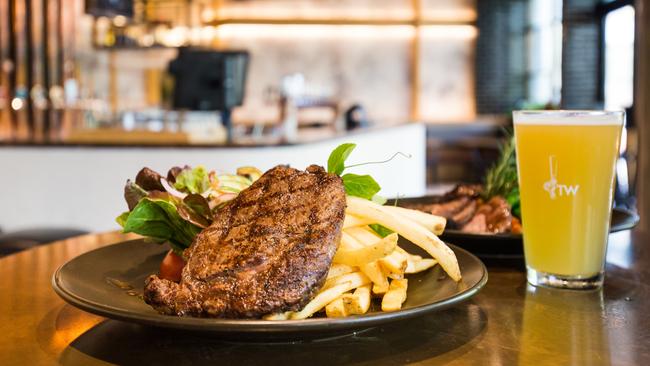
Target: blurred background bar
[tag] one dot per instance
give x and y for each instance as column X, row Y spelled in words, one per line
column 259, row 73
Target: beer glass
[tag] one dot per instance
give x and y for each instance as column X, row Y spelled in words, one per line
column 566, row 163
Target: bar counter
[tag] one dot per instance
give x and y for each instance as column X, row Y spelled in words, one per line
column 508, row 322
column 85, row 182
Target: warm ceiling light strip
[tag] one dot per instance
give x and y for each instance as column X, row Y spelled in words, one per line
column 272, row 11
column 448, row 31
column 310, row 31
column 467, row 15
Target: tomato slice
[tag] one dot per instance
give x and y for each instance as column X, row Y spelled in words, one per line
column 171, row 267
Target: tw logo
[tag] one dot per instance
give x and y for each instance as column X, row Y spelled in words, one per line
column 553, row 188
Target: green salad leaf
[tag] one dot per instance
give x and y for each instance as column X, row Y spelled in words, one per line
column 382, row 231
column 194, row 180
column 336, row 161
column 156, row 216
column 363, row 186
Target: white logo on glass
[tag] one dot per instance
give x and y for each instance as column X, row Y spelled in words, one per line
column 552, row 187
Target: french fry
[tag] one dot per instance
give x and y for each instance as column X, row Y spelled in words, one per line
column 357, row 302
column 380, row 289
column 410, row 265
column 363, row 235
column 367, row 254
column 356, row 277
column 413, row 264
column 327, row 296
column 396, row 295
column 410, row 230
column 395, row 263
column 420, row 265
column 336, row 309
column 338, row 269
column 374, row 272
column 348, row 242
column 433, row 223
column 352, row 221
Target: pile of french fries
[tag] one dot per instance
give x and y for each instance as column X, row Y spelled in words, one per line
column 367, row 266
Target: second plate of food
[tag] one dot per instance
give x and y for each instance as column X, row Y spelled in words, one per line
column 506, row 245
column 109, row 282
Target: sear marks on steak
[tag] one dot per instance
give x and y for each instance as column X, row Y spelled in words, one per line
column 450, row 208
column 465, row 214
column 491, row 217
column 267, row 251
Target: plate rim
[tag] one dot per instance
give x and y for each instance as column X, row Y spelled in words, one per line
column 220, row 325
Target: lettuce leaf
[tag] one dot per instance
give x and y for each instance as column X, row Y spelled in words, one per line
column 156, row 216
column 133, row 193
column 193, row 180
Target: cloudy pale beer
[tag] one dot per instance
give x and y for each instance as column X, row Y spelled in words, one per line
column 566, row 163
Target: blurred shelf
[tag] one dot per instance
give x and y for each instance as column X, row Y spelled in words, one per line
column 107, row 136
column 132, row 48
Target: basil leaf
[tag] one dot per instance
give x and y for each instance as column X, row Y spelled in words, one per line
column 363, row 186
column 336, row 161
column 382, row 231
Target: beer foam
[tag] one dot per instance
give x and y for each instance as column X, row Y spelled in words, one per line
column 569, row 118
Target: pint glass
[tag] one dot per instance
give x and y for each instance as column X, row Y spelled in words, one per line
column 566, row 163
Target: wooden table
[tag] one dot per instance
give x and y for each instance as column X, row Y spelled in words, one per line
column 507, row 323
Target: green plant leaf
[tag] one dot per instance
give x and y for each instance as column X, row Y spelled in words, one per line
column 336, row 160
column 363, row 186
column 121, row 220
column 382, row 231
column 193, row 180
column 501, row 178
column 199, row 204
column 157, row 217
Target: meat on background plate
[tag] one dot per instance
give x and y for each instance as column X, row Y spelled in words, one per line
column 466, row 211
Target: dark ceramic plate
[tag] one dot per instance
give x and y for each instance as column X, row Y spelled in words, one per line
column 108, row 281
column 508, row 245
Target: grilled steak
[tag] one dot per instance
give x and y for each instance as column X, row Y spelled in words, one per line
column 268, row 250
